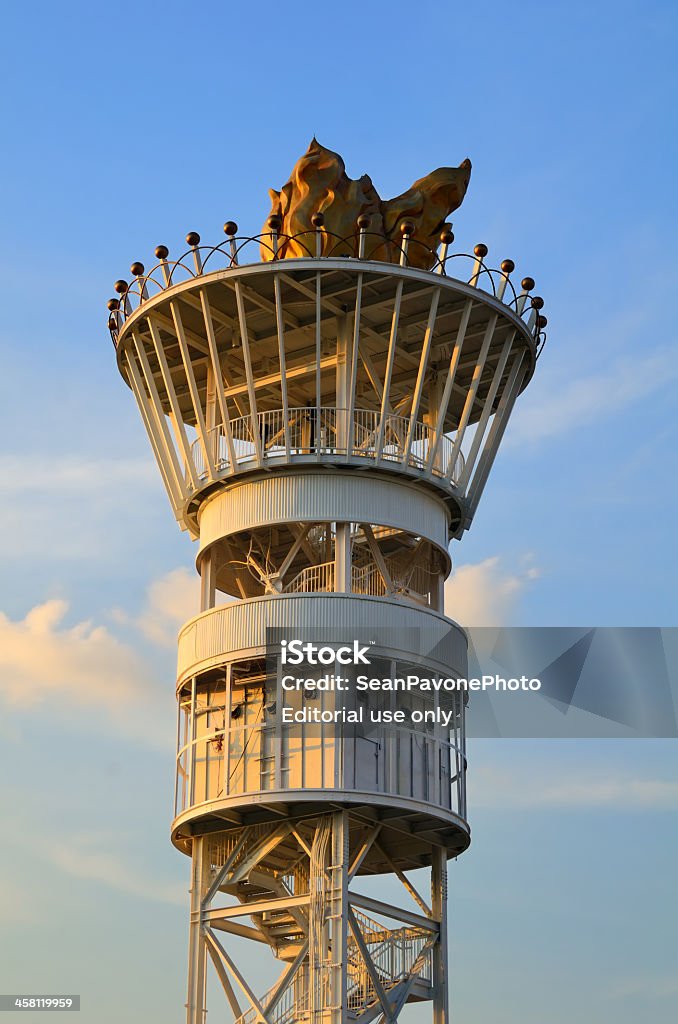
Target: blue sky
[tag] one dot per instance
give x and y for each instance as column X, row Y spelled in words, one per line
column 127, row 127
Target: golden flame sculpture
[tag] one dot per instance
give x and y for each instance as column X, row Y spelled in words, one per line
column 319, row 185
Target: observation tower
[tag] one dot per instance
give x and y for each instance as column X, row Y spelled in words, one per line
column 325, row 401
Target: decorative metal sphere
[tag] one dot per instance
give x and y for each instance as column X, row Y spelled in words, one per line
column 193, row 238
column 481, row 250
column 537, row 302
column 274, row 222
column 527, row 284
column 508, row 266
column 318, row 219
column 542, row 321
column 121, row 287
column 113, row 304
column 112, row 326
column 137, row 269
column 364, row 221
column 447, row 235
column 230, row 228
column 407, row 227
column 162, row 252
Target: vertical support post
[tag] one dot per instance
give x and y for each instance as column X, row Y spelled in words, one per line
column 342, row 381
column 160, row 420
column 439, row 908
column 342, row 559
column 152, row 431
column 355, row 346
column 249, row 375
column 211, row 416
column 339, row 868
column 280, row 325
column 421, row 375
column 318, row 357
column 191, row 747
column 501, row 418
column 388, row 374
column 195, row 1006
column 218, row 384
column 208, row 583
column 449, row 384
column 471, row 394
column 200, row 425
column 176, row 418
column 486, row 413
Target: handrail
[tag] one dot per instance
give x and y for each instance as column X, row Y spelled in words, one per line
column 199, row 260
column 397, row 954
column 322, row 432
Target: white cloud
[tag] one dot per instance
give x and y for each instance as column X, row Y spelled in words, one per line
column 555, row 408
column 499, row 788
column 18, row 907
column 485, row 593
column 94, row 858
column 77, row 668
column 170, row 601
column 76, row 509
column 646, row 986
column 32, row 472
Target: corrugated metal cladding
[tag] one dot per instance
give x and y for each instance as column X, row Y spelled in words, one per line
column 226, row 632
column 358, row 497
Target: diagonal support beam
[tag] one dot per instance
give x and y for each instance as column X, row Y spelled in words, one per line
column 421, row 375
column 259, row 852
column 378, row 557
column 286, row 978
column 222, row 974
column 213, row 941
column 373, row 906
column 368, row 842
column 449, row 382
column 258, row 907
column 404, row 880
column 369, row 964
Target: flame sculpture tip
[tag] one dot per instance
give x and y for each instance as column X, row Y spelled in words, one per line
column 319, row 183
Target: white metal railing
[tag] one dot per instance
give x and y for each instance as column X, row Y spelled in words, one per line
column 241, row 251
column 396, row 955
column 314, row 579
column 325, row 431
column 413, row 581
column 367, row 580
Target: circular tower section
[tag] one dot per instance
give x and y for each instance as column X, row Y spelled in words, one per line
column 324, row 406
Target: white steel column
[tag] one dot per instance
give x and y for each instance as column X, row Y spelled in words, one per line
column 439, row 908
column 343, row 380
column 338, row 910
column 342, row 559
column 195, row 1006
column 208, row 585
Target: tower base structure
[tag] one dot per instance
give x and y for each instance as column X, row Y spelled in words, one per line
column 346, row 956
column 325, row 410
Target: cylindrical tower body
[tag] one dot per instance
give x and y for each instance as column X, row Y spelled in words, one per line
column 324, row 426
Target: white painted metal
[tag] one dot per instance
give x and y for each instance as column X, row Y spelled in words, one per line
column 341, row 429
column 310, row 420
column 239, row 627
column 312, row 497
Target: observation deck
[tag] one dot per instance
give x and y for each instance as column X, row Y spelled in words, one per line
column 325, row 401
column 432, row 356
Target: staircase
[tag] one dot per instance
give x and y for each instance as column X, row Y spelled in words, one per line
column 401, row 957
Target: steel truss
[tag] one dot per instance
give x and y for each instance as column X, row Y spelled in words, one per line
column 295, row 882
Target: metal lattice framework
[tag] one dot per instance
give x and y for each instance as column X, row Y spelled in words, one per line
column 436, row 364
column 343, row 951
column 324, row 425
